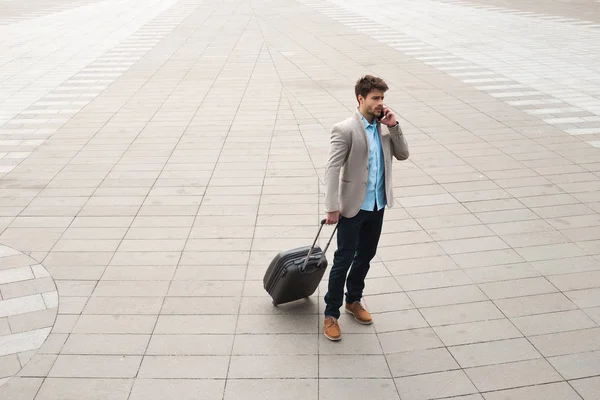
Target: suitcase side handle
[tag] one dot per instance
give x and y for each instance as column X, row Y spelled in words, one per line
column 315, row 242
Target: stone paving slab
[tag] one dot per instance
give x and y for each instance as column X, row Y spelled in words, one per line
column 155, row 156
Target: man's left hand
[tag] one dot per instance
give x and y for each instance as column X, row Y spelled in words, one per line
column 389, row 118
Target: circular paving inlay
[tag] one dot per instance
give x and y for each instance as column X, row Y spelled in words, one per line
column 28, row 308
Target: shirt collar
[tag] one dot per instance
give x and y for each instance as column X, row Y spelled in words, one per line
column 366, row 123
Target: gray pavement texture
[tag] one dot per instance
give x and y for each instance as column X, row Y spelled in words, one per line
column 156, row 155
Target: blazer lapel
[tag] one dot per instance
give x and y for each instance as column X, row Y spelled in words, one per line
column 361, row 128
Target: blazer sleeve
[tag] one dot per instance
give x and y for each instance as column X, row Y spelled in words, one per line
column 399, row 143
column 339, row 148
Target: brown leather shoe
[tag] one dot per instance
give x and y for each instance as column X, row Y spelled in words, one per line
column 332, row 329
column 359, row 312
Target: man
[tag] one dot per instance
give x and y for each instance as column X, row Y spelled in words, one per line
column 361, row 149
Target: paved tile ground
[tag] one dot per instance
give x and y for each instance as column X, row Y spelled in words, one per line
column 28, row 308
column 578, row 11
column 155, row 156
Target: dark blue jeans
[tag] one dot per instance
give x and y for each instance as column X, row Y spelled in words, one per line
column 357, row 240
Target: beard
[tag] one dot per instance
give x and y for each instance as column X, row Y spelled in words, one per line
column 375, row 111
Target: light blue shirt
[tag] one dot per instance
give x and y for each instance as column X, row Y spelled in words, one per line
column 376, row 182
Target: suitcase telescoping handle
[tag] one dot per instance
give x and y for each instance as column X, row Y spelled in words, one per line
column 315, row 242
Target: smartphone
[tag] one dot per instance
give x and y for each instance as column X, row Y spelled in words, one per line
column 380, row 117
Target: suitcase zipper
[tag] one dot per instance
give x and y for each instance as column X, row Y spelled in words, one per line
column 282, row 267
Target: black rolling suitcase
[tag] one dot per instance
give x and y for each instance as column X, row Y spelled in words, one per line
column 296, row 274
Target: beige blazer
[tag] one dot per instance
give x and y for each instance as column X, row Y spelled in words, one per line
column 347, row 170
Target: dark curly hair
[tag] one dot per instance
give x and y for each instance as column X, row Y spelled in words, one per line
column 367, row 83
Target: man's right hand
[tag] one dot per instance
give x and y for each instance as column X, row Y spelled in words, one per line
column 332, row 217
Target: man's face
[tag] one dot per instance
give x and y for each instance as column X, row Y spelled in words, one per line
column 373, row 103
